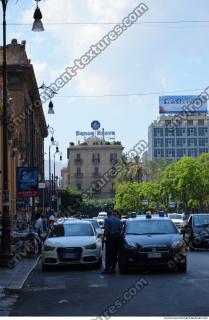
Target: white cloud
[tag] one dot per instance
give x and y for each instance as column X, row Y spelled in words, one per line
column 92, row 83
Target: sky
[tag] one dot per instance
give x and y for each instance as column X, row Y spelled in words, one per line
column 147, row 58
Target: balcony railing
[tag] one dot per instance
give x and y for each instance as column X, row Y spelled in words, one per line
column 95, row 161
column 78, row 160
column 113, row 161
column 96, row 174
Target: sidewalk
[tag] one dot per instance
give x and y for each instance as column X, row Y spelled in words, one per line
column 12, row 281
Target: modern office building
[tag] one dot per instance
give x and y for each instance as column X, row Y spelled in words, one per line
column 189, row 138
column 89, row 163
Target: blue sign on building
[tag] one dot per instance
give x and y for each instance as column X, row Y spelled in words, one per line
column 181, row 104
column 27, row 181
column 95, row 125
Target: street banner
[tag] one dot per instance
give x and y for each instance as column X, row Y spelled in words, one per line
column 27, row 182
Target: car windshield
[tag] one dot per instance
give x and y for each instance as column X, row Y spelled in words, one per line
column 201, row 220
column 151, row 227
column 94, row 223
column 175, row 216
column 74, row 229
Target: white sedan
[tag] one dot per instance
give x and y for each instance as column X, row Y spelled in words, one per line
column 72, row 242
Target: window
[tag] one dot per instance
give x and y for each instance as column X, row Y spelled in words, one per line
column 200, row 122
column 169, row 142
column 79, row 186
column 190, row 122
column 180, row 132
column 113, row 156
column 192, row 142
column 170, row 153
column 180, row 142
column 180, row 153
column 203, row 150
column 203, row 142
column 158, row 153
column 203, row 131
column 158, row 132
column 169, row 132
column 191, row 131
column 192, row 152
column 158, row 142
column 96, row 156
column 78, row 156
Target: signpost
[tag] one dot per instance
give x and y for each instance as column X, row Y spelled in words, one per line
column 27, row 182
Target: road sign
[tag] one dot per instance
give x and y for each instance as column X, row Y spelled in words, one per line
column 42, row 185
column 145, row 202
column 172, row 204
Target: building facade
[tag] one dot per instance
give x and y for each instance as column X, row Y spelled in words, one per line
column 88, row 163
column 27, row 126
column 189, row 138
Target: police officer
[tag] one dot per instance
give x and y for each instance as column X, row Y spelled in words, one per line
column 112, row 234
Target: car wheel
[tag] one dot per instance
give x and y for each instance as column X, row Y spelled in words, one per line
column 44, row 267
column 123, row 268
column 191, row 247
column 98, row 264
column 182, row 267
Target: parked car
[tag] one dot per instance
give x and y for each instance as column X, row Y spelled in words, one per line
column 72, row 242
column 152, row 241
column 178, row 219
column 101, row 217
column 197, row 228
column 96, row 226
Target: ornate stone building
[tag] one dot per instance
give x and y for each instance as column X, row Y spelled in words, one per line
column 27, row 125
column 89, row 164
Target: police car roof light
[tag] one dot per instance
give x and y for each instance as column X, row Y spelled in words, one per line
column 148, row 215
column 161, row 214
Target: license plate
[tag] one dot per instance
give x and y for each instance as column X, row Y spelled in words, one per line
column 154, row 255
column 69, row 255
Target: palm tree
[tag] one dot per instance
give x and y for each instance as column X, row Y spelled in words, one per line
column 122, row 175
column 136, row 170
column 132, row 170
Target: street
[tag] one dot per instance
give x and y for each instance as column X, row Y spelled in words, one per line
column 84, row 292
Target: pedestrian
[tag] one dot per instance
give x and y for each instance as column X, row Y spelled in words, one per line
column 39, row 224
column 52, row 220
column 112, row 235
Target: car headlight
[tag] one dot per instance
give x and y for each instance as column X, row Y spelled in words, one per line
column 178, row 245
column 92, row 246
column 130, row 246
column 48, row 248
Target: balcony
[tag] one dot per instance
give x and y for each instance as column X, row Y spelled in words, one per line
column 95, row 161
column 96, row 174
column 113, row 161
column 78, row 175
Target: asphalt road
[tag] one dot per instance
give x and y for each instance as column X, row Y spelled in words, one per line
column 85, row 292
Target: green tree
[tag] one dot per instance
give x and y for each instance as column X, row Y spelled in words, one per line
column 182, row 181
column 154, row 169
column 129, row 196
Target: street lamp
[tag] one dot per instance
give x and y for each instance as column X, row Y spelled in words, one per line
column 37, row 25
column 55, row 178
column 50, row 93
column 5, row 239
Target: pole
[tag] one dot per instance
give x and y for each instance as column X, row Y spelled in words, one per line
column 50, row 186
column 5, row 242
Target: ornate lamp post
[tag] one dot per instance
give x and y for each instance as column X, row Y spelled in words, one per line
column 5, row 239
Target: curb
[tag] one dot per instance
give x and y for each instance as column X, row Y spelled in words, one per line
column 16, row 290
